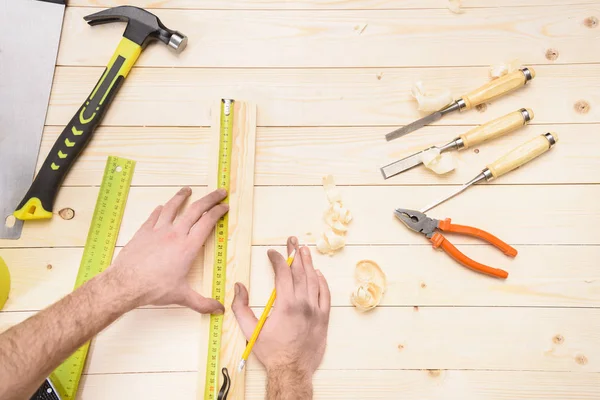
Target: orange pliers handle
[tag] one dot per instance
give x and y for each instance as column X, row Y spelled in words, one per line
column 439, row 241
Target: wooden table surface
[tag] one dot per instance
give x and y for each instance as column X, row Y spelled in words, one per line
column 330, row 78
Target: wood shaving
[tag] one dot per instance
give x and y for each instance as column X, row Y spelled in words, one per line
column 366, row 296
column 455, row 6
column 430, row 100
column 371, row 285
column 337, row 217
column 438, row 163
column 498, row 70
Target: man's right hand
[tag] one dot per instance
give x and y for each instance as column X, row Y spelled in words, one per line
column 292, row 342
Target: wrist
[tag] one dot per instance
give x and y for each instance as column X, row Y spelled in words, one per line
column 115, row 283
column 289, row 382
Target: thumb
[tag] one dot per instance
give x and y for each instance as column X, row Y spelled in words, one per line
column 244, row 315
column 201, row 304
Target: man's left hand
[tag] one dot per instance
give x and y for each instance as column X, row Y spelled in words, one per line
column 155, row 263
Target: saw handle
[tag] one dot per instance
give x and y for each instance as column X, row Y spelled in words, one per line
column 523, row 154
column 496, row 88
column 496, row 128
column 39, row 200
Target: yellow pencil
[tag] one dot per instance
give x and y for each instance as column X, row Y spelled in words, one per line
column 262, row 320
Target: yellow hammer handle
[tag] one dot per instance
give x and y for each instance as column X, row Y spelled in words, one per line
column 496, row 128
column 496, row 88
column 522, row 154
column 264, row 316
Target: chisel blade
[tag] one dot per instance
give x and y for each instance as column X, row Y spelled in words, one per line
column 413, row 126
column 403, row 165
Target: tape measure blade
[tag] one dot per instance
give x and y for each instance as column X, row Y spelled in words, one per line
column 211, row 385
column 97, row 255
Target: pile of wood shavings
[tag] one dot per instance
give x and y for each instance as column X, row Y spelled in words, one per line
column 337, row 218
column 371, row 285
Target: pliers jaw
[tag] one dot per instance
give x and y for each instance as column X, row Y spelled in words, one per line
column 417, row 221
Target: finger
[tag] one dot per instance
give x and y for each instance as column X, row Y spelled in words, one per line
column 151, row 221
column 298, row 273
column 292, row 244
column 283, row 277
column 244, row 315
column 324, row 294
column 312, row 280
column 201, row 229
column 169, row 211
column 195, row 211
column 201, row 304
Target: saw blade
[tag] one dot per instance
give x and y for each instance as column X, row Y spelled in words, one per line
column 26, row 72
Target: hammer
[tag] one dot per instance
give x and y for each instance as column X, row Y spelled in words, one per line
column 142, row 28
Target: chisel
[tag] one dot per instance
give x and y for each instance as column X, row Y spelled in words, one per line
column 487, row 92
column 483, row 133
column 516, row 158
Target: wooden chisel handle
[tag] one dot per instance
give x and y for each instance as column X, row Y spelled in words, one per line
column 523, row 154
column 496, row 128
column 498, row 87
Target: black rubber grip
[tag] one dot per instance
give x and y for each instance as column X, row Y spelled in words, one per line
column 74, row 138
column 46, row 392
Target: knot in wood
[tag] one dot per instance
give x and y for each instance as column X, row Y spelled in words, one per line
column 558, row 339
column 552, row 54
column 582, row 107
column 581, row 359
column 591, row 22
column 67, row 213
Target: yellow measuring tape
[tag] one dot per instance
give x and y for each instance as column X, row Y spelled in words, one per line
column 211, row 387
column 97, row 255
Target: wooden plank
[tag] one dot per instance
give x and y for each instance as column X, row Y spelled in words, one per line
column 516, row 214
column 420, row 276
column 301, row 156
column 496, row 338
column 239, row 244
column 164, row 156
column 520, row 214
column 444, row 385
column 40, row 277
column 423, row 37
column 555, row 276
column 366, row 384
column 154, row 386
column 319, row 5
column 297, row 156
column 320, row 97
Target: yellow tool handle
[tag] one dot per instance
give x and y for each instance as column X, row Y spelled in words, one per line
column 496, row 128
column 4, row 283
column 523, row 154
column 496, row 88
column 39, row 199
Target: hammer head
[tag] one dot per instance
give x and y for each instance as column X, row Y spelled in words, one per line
column 142, row 26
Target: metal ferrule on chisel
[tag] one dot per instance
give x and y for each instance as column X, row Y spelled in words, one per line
column 491, row 90
column 475, row 136
column 520, row 156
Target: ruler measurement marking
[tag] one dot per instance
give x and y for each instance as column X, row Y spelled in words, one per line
column 97, row 255
column 211, row 386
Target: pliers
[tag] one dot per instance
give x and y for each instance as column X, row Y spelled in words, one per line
column 421, row 223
